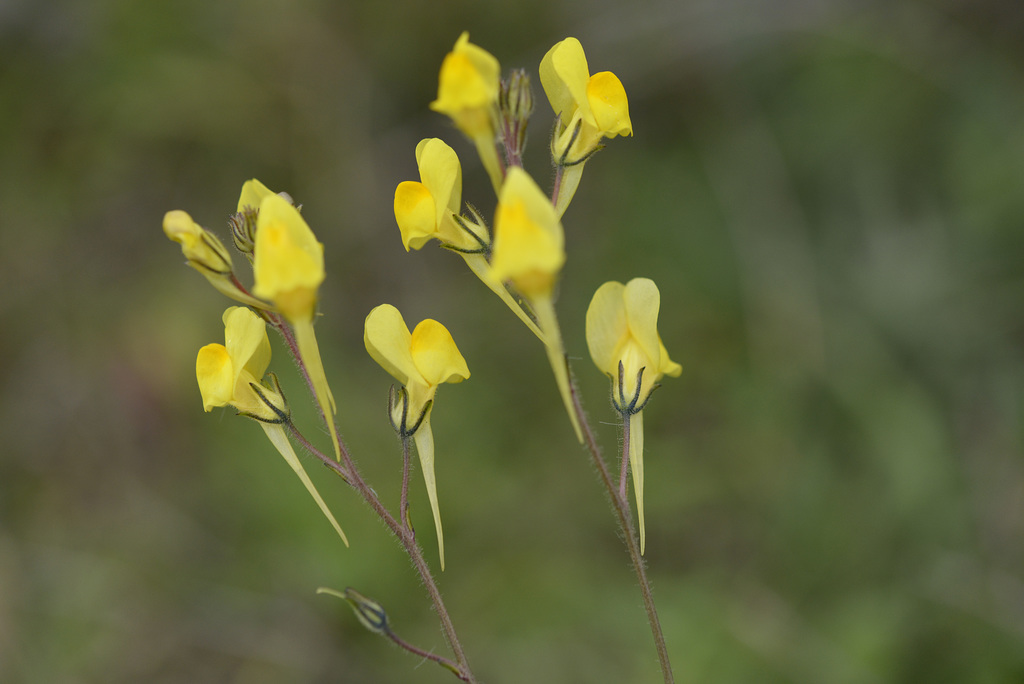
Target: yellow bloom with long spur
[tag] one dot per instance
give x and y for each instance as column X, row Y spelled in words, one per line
column 529, row 251
column 589, row 109
column 429, row 209
column 467, row 92
column 288, row 267
column 622, row 335
column 420, row 360
column 232, row 374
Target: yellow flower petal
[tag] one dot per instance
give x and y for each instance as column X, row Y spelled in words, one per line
column 529, row 243
column 389, row 343
column 245, row 336
column 668, row 366
column 469, row 79
column 564, row 75
column 434, row 352
column 253, row 193
column 216, row 377
column 609, row 105
column 288, row 264
column 607, row 327
column 441, row 173
column 642, row 301
column 415, row 213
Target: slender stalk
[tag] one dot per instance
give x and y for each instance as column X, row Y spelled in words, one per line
column 416, row 650
column 406, row 537
column 624, row 468
column 621, row 505
column 347, row 469
column 403, row 509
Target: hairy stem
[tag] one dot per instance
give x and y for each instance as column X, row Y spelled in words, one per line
column 621, row 505
column 346, row 468
column 403, row 509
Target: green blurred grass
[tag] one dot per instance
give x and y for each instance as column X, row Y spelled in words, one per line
column 827, row 195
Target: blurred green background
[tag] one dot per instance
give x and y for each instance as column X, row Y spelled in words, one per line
column 828, row 194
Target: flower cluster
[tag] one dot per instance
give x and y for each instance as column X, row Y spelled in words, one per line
column 520, row 260
column 527, row 251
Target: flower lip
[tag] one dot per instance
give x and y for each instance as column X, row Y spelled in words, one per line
column 427, row 356
column 429, row 208
column 230, row 374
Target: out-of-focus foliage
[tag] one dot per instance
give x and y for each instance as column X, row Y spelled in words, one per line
column 828, row 195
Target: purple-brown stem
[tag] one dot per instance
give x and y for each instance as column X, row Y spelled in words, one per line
column 621, row 505
column 347, row 469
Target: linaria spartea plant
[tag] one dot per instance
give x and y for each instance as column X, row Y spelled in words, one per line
column 521, row 263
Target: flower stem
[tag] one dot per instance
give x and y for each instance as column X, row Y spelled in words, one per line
column 403, row 509
column 346, row 468
column 621, row 505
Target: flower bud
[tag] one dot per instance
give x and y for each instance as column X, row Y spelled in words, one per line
column 203, row 249
column 370, row 613
column 515, row 105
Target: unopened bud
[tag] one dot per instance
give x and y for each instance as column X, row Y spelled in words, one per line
column 370, row 613
column 203, row 249
column 515, row 105
column 207, row 254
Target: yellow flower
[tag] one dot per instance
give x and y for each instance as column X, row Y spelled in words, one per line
column 529, row 243
column 429, row 208
column 529, row 251
column 622, row 331
column 232, row 373
column 589, row 109
column 597, row 104
column 421, row 361
column 288, row 263
column 206, row 254
column 203, row 249
column 288, row 267
column 467, row 92
column 622, row 325
column 468, row 87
